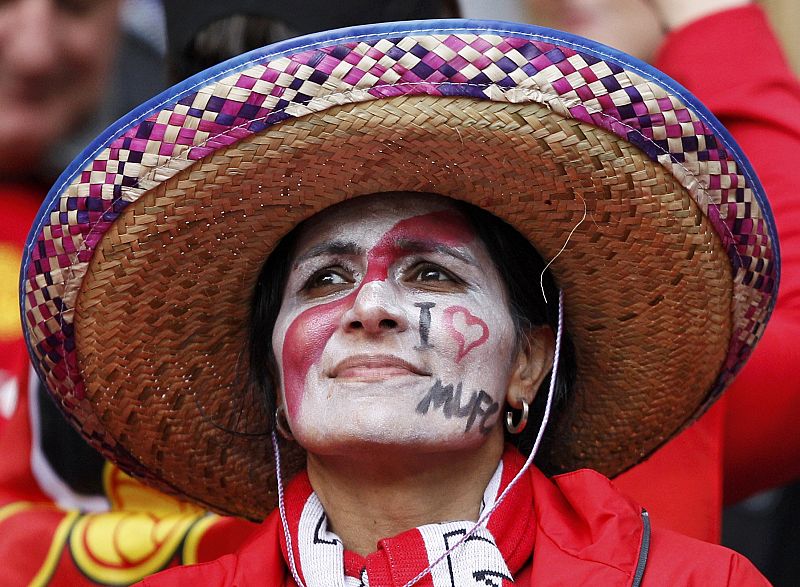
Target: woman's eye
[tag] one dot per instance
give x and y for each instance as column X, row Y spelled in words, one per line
column 327, row 280
column 433, row 275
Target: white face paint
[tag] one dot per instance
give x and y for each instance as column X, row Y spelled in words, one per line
column 394, row 329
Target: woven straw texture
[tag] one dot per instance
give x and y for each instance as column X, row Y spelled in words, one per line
column 137, row 280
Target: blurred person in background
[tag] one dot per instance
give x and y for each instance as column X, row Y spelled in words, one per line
column 61, row 80
column 67, row 68
column 55, row 58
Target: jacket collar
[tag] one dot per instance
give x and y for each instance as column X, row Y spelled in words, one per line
column 586, row 529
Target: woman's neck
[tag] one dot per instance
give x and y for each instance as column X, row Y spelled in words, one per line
column 378, row 494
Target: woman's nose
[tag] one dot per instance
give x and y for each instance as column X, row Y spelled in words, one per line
column 375, row 311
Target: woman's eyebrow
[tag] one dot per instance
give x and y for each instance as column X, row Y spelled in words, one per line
column 331, row 248
column 428, row 246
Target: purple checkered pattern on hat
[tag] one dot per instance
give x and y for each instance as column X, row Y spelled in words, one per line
column 265, row 91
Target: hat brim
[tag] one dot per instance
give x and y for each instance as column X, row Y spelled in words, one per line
column 669, row 274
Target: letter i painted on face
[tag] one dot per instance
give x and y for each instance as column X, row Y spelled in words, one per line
column 424, row 323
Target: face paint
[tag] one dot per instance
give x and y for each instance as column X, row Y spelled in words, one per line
column 310, row 332
column 424, row 323
column 467, row 330
column 480, row 405
column 387, row 295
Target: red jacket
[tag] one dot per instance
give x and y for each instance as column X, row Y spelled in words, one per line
column 583, row 532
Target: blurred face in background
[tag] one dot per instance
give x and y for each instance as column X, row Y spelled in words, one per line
column 54, row 58
column 628, row 25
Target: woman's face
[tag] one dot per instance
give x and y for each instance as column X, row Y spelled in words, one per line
column 394, row 329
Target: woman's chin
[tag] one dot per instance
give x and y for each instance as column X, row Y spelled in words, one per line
column 369, row 442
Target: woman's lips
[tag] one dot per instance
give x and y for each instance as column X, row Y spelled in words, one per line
column 374, row 368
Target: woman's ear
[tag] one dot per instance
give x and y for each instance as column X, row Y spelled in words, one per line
column 532, row 364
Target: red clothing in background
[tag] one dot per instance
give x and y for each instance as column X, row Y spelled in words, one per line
column 749, row 441
column 44, row 538
column 20, row 203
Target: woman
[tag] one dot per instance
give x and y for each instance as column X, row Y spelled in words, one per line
column 398, row 339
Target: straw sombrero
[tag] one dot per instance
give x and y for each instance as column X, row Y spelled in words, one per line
column 140, row 266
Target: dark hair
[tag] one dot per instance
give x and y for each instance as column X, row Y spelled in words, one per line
column 516, row 260
column 262, row 368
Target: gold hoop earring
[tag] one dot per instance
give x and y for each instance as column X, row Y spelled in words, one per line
column 523, row 419
column 282, row 423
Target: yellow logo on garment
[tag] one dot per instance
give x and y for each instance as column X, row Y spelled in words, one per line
column 138, row 537
column 10, row 259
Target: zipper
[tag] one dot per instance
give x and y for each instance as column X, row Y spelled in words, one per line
column 643, row 550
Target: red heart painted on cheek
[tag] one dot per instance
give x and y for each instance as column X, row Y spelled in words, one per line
column 468, row 331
